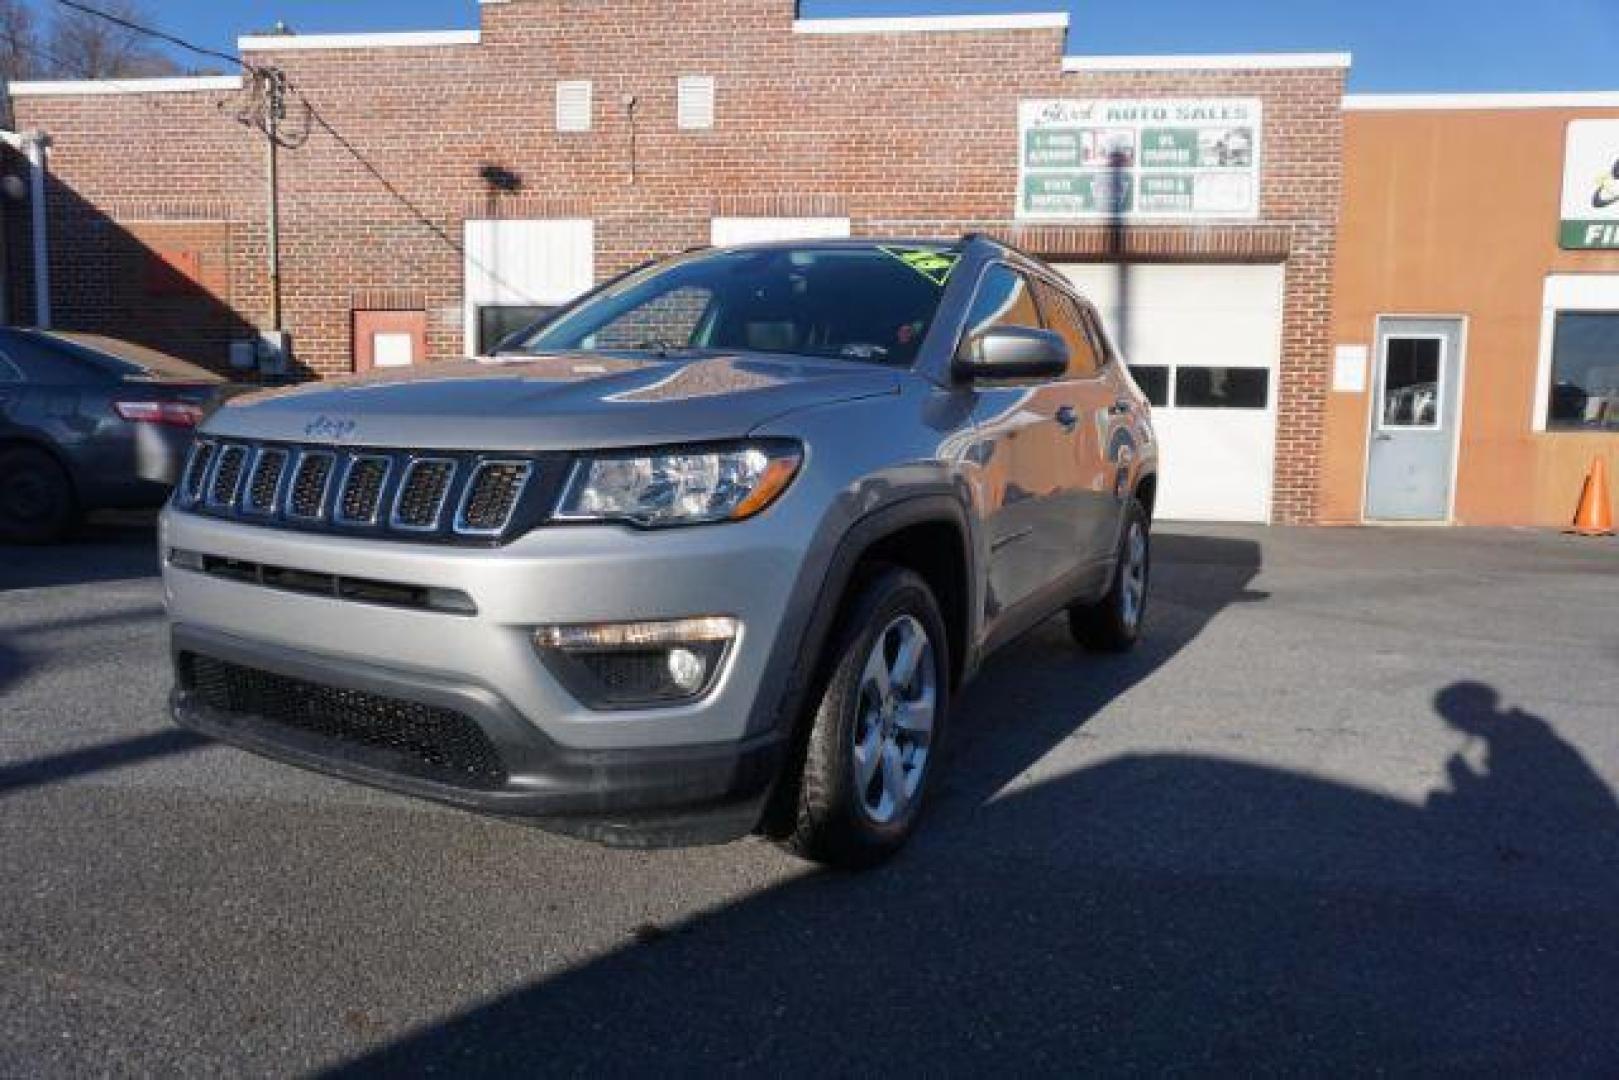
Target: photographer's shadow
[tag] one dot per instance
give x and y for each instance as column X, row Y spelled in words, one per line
column 1151, row 912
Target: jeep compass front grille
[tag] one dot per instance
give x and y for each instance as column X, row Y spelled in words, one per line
column 227, row 476
column 422, row 494
column 369, row 729
column 451, row 497
column 309, row 484
column 361, row 495
column 492, row 496
column 264, row 486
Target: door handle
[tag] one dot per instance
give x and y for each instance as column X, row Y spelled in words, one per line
column 1068, row 418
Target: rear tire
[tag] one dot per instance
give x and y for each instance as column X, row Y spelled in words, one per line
column 1113, row 623
column 36, row 497
column 875, row 740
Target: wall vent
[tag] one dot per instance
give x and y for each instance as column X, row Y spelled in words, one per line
column 695, row 108
column 573, row 105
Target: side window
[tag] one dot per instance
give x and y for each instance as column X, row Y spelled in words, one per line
column 1104, row 344
column 1004, row 299
column 1062, row 316
column 49, row 367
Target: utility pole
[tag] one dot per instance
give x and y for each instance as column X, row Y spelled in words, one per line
column 274, row 87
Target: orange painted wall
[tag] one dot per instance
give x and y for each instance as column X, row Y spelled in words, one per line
column 1456, row 213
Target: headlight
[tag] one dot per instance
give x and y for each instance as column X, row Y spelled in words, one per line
column 680, row 487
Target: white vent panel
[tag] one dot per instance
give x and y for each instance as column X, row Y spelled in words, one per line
column 573, row 105
column 695, row 107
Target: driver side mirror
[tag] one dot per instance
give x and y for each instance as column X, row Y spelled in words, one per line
column 1008, row 353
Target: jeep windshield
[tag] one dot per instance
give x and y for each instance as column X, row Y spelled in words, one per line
column 861, row 303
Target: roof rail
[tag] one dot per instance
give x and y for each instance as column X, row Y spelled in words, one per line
column 969, row 238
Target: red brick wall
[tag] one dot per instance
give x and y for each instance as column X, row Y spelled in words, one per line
column 905, row 134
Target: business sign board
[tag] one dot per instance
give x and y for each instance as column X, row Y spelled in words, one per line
column 1591, row 186
column 1157, row 159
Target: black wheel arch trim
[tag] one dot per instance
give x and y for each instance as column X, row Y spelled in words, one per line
column 798, row 657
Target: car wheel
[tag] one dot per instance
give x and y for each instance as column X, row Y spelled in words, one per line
column 1113, row 623
column 874, row 742
column 36, row 497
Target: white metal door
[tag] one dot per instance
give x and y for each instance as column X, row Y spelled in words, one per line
column 1205, row 342
column 1411, row 455
column 725, row 232
column 526, row 264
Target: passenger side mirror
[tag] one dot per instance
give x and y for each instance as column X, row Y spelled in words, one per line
column 1011, row 353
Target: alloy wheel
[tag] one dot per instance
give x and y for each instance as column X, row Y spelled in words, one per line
column 893, row 729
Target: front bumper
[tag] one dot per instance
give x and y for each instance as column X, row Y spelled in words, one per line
column 628, row 797
column 682, row 774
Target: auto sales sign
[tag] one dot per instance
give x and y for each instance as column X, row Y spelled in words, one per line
column 1149, row 159
column 1591, row 186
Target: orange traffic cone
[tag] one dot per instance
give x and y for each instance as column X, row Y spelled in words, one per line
column 1595, row 515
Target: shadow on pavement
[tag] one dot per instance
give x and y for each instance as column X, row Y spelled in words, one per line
column 114, row 547
column 1150, row 912
column 112, row 755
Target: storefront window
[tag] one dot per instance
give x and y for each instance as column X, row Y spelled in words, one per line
column 1585, row 372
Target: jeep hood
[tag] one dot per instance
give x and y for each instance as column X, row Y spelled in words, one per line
column 552, row 402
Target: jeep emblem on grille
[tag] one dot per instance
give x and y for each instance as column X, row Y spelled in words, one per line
column 325, row 427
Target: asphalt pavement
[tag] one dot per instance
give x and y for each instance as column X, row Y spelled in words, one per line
column 1349, row 809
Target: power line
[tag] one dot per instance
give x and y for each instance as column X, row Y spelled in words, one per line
column 260, row 75
column 160, row 35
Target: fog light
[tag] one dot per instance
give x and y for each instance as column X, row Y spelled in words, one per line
column 687, row 669
column 637, row 665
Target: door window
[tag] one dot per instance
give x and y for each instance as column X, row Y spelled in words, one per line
column 1411, row 382
column 1004, row 299
column 1063, row 317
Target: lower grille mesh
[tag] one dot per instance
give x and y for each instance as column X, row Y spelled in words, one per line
column 384, row 732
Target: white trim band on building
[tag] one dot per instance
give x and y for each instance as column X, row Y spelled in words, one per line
column 1573, row 99
column 1033, row 20
column 1209, row 62
column 404, row 39
column 179, row 85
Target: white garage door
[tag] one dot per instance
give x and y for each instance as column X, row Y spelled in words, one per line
column 725, row 232
column 1205, row 343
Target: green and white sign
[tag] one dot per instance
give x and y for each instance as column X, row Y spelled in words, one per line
column 1141, row 160
column 1591, row 186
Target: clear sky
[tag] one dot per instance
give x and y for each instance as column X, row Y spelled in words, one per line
column 1399, row 45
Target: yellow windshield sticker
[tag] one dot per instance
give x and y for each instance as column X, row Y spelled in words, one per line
column 933, row 265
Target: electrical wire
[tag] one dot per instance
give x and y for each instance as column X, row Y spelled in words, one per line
column 254, row 115
column 152, row 32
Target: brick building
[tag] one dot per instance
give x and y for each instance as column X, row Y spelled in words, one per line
column 441, row 187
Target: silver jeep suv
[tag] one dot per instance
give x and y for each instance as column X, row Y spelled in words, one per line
column 707, row 553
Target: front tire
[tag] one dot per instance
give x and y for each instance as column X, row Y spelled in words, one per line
column 874, row 743
column 1113, row 623
column 36, row 497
